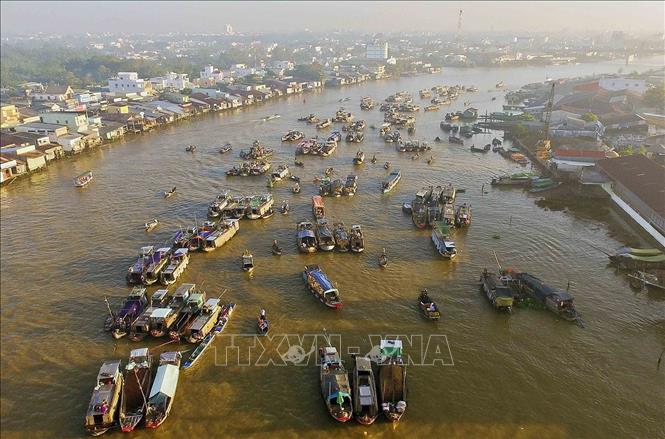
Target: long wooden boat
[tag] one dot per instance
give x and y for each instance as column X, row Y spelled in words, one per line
column 262, row 323
column 558, row 301
column 226, row 230
column 119, row 323
column 204, row 322
column 224, row 317
column 322, row 288
column 187, row 315
column 365, row 398
column 105, row 399
column 177, row 264
column 136, row 272
column 335, row 387
column 341, row 237
column 440, row 237
column 392, row 380
column 83, row 179
column 306, row 238
column 162, row 319
column 137, row 378
column 428, row 307
column 140, row 328
column 391, row 181
column 157, row 262
column 260, row 206
column 499, row 294
column 163, row 389
column 318, row 209
column 463, row 216
column 356, row 239
column 324, row 236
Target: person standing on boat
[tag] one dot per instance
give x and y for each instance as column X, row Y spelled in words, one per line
column 263, row 314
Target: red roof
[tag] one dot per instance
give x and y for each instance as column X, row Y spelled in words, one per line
column 587, row 86
column 579, row 153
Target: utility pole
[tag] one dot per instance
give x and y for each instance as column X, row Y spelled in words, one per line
column 459, row 30
column 548, row 111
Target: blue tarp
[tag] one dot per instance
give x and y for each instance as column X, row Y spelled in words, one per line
column 322, row 280
column 306, row 234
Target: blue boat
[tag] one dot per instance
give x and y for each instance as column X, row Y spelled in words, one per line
column 224, row 317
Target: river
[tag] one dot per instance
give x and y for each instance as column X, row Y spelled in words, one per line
column 528, row 374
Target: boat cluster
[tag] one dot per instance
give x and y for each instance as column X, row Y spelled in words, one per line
column 367, row 103
column 316, row 147
column 337, row 187
column 292, row 136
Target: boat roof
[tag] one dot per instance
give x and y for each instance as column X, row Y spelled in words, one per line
column 317, row 201
column 160, row 313
column 160, row 294
column 184, row 289
column 140, row 352
column 330, row 350
column 166, row 380
column 163, row 249
column 211, row 303
column 391, row 347
column 170, row 357
column 306, row 233
column 180, row 252
column 322, row 280
column 137, row 291
column 196, row 297
column 363, row 363
column 147, row 249
column 109, row 369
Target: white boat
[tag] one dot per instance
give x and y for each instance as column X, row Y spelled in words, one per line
column 226, row 230
column 83, row 179
column 392, row 181
column 260, row 206
column 105, row 399
column 163, row 389
column 247, row 262
column 151, row 224
column 178, row 263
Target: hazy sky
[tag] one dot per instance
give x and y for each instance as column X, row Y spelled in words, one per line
column 211, row 17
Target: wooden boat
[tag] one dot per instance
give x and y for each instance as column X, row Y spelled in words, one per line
column 219, row 327
column 285, row 207
column 180, row 328
column 140, row 328
column 355, row 137
column 558, row 301
column 177, row 265
column 463, row 216
column 392, row 380
column 341, row 237
column 83, row 179
column 444, row 245
column 428, row 307
column 170, row 193
column 553, row 185
column 484, row 149
column 149, row 225
column 247, row 262
column 256, row 152
column 155, row 264
column 432, row 107
column 105, row 399
column 335, row 136
column 280, row 173
column 359, row 158
column 350, row 186
column 136, row 384
column 517, row 179
column 499, row 294
column 386, row 165
column 276, row 249
column 356, row 239
column 204, row 321
column 324, row 236
column 136, row 272
column 454, row 139
column 335, row 387
column 296, row 188
column 226, row 230
column 324, row 124
column 293, row 136
column 260, row 206
column 322, row 288
column 383, row 259
column 365, row 398
column 163, row 389
column 306, row 237
column 636, row 258
column 318, row 209
column 190, row 148
column 270, row 117
column 648, row 279
column 226, row 148
column 419, row 207
column 391, row 181
column 119, row 323
column 218, row 205
column 445, row 126
column 162, row 319
column 262, row 323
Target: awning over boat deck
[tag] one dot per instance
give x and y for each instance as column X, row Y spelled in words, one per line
column 306, row 234
column 322, row 280
column 166, row 381
column 160, row 313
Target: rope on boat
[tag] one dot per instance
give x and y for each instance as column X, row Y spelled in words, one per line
column 145, row 402
column 164, row 344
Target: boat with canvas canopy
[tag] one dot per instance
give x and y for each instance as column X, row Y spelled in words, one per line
column 137, row 378
column 163, row 389
column 335, row 387
column 100, row 416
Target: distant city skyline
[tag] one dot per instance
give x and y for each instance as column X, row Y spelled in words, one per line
column 20, row 17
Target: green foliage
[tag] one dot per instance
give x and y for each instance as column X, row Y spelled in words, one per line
column 251, row 80
column 519, row 130
column 311, row 72
column 186, row 91
column 589, row 117
column 629, row 150
column 527, row 117
column 655, row 97
column 643, row 150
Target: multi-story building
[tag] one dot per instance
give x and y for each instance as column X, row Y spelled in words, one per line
column 129, row 82
column 9, row 116
column 638, row 86
column 171, row 81
column 56, row 93
column 377, row 50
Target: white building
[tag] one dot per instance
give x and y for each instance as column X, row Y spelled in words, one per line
column 128, row 82
column 377, row 51
column 175, row 81
column 638, row 86
column 211, row 73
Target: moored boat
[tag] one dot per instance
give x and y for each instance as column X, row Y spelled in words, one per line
column 140, row 327
column 177, row 264
column 219, row 327
column 441, row 238
column 463, row 216
column 558, row 301
column 186, row 316
column 335, row 387
column 365, row 398
column 306, row 237
column 162, row 319
column 204, row 321
column 392, row 380
column 226, row 230
column 318, row 210
column 341, row 237
column 322, row 288
column 356, row 239
column 105, row 399
column 260, row 206
column 119, row 323
column 163, row 389
column 350, row 185
column 499, row 294
column 136, row 384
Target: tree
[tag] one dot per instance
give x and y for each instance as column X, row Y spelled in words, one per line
column 655, row 97
column 643, row 150
column 519, row 130
column 186, row 91
column 589, row 117
column 312, row 72
column 629, row 150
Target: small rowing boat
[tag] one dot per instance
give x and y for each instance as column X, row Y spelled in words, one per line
column 428, row 307
column 149, row 225
column 322, row 288
column 391, row 181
